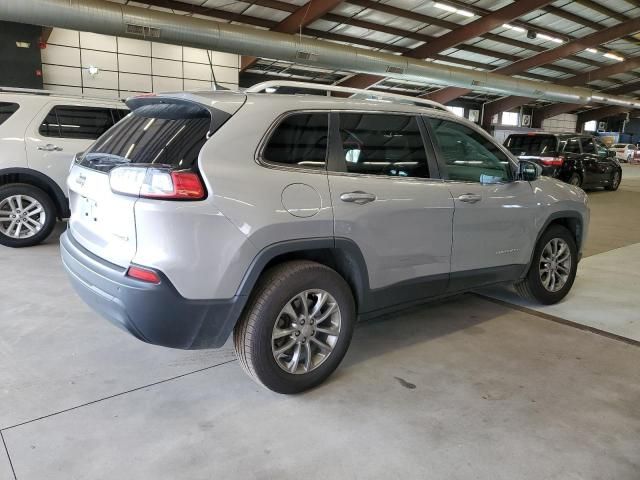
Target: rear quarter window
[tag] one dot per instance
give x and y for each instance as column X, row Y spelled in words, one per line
column 6, row 110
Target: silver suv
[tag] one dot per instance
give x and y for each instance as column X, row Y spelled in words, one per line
column 284, row 218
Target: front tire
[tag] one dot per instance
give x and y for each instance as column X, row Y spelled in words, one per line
column 27, row 215
column 553, row 270
column 296, row 327
column 613, row 185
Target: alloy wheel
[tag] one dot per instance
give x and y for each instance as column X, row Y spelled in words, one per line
column 555, row 265
column 615, row 181
column 21, row 216
column 306, row 331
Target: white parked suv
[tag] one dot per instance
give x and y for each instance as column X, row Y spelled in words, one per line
column 40, row 132
column 284, row 218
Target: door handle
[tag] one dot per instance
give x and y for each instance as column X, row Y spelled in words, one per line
column 358, row 197
column 50, row 147
column 470, row 198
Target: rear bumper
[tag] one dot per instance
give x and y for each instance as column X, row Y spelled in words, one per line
column 155, row 314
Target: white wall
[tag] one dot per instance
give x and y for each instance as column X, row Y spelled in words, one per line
column 560, row 123
column 130, row 66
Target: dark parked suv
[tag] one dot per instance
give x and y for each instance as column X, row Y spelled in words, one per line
column 581, row 160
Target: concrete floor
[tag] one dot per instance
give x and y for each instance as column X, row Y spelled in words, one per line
column 462, row 389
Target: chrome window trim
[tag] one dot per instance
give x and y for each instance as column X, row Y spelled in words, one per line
column 262, row 144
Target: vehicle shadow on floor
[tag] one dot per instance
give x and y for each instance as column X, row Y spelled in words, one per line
column 462, row 314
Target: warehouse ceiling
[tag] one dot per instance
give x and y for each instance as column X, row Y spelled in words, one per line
column 583, row 43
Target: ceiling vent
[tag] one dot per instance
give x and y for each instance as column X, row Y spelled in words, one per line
column 143, row 31
column 398, row 70
column 306, row 56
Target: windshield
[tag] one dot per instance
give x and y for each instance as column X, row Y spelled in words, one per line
column 524, row 145
column 170, row 135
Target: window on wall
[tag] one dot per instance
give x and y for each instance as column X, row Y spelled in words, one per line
column 591, row 126
column 468, row 155
column 87, row 123
column 510, row 118
column 459, row 111
column 383, row 144
column 299, row 141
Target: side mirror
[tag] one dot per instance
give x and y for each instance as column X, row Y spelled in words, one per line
column 529, row 171
column 611, row 154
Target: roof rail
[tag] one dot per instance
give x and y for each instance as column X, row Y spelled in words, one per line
column 46, row 93
column 272, row 85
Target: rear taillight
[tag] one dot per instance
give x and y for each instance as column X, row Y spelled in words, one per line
column 143, row 274
column 151, row 182
column 552, row 161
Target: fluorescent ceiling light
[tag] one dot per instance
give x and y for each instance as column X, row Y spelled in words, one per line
column 592, row 50
column 449, row 8
column 613, row 56
column 547, row 37
column 23, row 44
column 514, row 28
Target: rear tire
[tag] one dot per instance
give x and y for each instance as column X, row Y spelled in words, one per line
column 550, row 276
column 27, row 215
column 613, row 185
column 575, row 179
column 276, row 339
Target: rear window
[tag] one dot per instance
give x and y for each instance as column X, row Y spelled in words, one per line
column 6, row 110
column 162, row 134
column 523, row 145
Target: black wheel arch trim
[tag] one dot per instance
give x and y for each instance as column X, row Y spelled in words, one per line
column 59, row 198
column 349, row 258
column 560, row 215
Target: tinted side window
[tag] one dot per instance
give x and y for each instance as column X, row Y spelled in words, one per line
column 572, row 145
column 300, row 140
column 468, row 155
column 6, row 110
column 383, row 144
column 587, row 145
column 86, row 123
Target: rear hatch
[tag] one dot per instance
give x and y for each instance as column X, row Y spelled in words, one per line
column 153, row 152
column 540, row 148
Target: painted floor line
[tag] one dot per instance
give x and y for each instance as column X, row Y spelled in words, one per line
column 554, row 318
column 119, row 394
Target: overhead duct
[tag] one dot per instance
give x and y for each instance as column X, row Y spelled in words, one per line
column 110, row 18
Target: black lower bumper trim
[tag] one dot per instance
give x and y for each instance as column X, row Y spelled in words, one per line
column 155, row 314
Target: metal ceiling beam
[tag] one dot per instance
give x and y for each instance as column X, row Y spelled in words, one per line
column 478, row 27
column 581, row 80
column 603, row 10
column 600, row 113
column 303, row 16
column 459, row 35
column 577, row 45
column 602, row 73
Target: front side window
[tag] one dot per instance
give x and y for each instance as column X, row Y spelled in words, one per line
column 6, row 110
column 383, row 144
column 601, row 149
column 469, row 156
column 85, row 123
column 587, row 145
column 299, row 141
